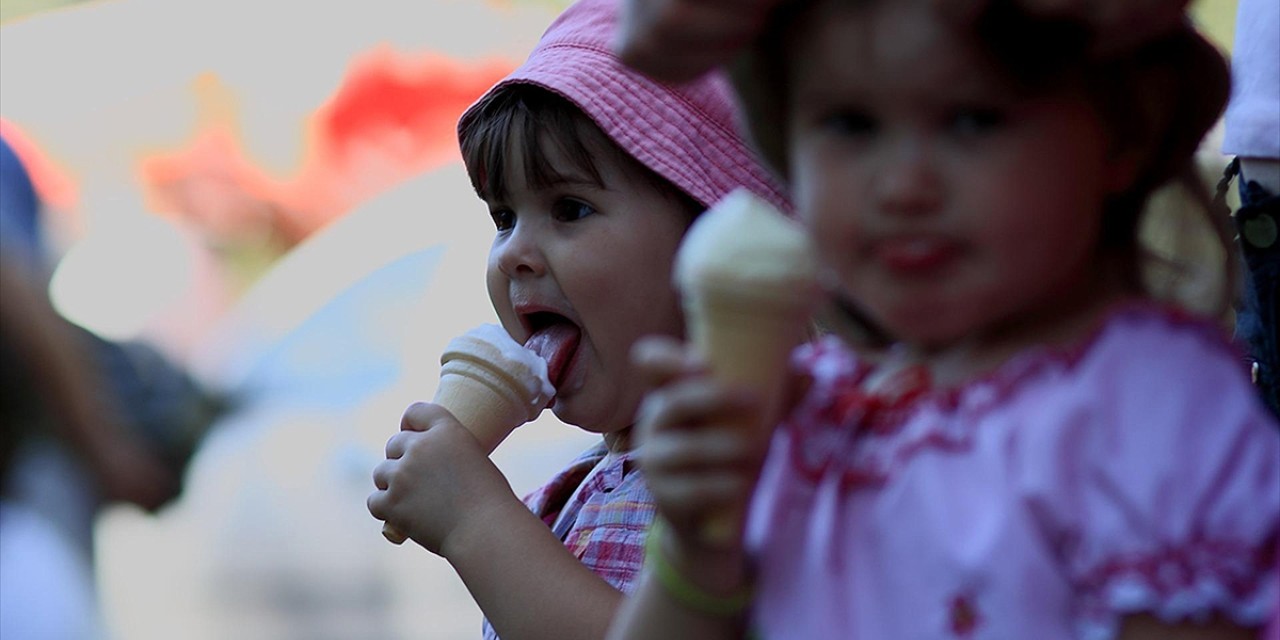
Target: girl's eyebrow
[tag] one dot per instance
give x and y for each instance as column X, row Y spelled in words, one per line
column 572, row 180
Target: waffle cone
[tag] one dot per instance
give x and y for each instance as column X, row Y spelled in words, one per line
column 487, row 400
column 486, row 393
column 747, row 341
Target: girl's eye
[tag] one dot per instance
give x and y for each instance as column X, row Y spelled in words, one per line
column 503, row 219
column 570, row 210
column 975, row 120
column 851, row 122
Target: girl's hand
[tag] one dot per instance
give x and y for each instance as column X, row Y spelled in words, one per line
column 679, row 40
column 436, row 483
column 698, row 459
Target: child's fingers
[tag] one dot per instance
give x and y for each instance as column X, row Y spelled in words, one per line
column 693, row 403
column 689, row 499
column 421, row 416
column 381, row 475
column 375, row 503
column 717, row 447
column 398, row 444
column 661, row 359
column 678, row 40
column 378, row 502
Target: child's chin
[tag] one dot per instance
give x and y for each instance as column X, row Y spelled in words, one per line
column 573, row 412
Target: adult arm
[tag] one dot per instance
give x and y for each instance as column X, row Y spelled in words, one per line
column 82, row 419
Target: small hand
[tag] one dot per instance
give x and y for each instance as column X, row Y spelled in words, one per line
column 435, row 478
column 698, row 459
column 1117, row 25
column 679, row 40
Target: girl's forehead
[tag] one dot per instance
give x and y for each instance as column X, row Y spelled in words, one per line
column 879, row 42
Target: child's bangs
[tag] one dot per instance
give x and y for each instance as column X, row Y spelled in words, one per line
column 531, row 122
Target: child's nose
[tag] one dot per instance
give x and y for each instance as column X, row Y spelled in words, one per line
column 520, row 255
column 908, row 182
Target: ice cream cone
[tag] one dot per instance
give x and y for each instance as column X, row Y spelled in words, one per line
column 492, row 385
column 489, row 398
column 745, row 339
column 749, row 287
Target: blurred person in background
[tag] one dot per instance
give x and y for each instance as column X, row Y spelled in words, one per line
column 46, row 580
column 1252, row 135
column 86, row 422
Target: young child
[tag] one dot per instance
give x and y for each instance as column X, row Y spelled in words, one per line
column 1046, row 451
column 591, row 174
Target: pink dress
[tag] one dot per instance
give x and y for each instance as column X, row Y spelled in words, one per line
column 1135, row 473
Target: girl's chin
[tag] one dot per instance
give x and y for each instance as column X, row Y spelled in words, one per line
column 592, row 419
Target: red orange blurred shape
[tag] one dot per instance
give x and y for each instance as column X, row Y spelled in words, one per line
column 393, row 116
column 54, row 186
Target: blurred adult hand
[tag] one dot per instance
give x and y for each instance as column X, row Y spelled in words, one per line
column 130, row 473
column 1116, row 24
column 679, row 40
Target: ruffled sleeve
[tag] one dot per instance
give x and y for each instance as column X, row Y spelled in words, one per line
column 1157, row 483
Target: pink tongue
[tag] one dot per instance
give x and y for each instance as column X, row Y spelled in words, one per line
column 556, row 345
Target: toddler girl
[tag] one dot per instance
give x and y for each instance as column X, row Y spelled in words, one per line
column 591, row 174
column 1046, row 451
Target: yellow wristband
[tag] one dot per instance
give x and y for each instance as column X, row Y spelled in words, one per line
column 682, row 590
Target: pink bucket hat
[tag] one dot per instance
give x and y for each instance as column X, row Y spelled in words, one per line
column 688, row 133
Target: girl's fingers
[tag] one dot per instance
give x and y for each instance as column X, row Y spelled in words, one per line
column 661, row 360
column 695, row 403
column 395, row 446
column 693, row 497
column 421, row 416
column 377, row 504
column 702, row 449
column 678, row 40
column 382, row 474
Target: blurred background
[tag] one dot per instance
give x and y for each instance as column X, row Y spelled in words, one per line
column 268, row 193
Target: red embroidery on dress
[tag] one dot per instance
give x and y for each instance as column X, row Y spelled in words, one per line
column 1234, row 565
column 849, row 409
column 963, row 616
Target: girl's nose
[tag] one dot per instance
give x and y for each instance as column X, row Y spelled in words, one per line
column 908, row 182
column 519, row 255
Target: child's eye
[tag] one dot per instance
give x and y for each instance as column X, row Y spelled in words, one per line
column 975, row 120
column 570, row 210
column 850, row 122
column 503, row 219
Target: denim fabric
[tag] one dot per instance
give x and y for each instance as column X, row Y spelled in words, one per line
column 1256, row 317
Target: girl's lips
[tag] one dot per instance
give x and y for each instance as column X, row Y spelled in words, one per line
column 915, row 255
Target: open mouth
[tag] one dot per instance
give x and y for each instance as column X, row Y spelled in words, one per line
column 555, row 339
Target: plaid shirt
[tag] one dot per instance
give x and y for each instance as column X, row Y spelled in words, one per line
column 606, row 523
